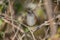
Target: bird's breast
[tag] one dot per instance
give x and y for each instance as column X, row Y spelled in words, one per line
column 31, row 20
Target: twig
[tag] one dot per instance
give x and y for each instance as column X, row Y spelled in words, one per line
column 43, row 24
column 21, row 30
column 22, row 36
column 15, row 35
column 30, row 31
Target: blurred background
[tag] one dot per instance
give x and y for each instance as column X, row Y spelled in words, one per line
column 29, row 19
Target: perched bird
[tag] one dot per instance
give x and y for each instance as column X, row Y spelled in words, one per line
column 30, row 18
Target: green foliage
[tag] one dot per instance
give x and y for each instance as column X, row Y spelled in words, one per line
column 41, row 15
column 18, row 6
column 40, row 12
column 58, row 30
column 1, row 8
column 1, row 35
column 26, row 30
column 40, row 32
column 6, row 2
column 1, row 21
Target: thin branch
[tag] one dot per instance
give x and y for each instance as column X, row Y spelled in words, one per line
column 15, row 35
column 21, row 30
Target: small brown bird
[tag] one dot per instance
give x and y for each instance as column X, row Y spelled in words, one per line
column 31, row 18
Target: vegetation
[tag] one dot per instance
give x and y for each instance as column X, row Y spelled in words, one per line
column 29, row 19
